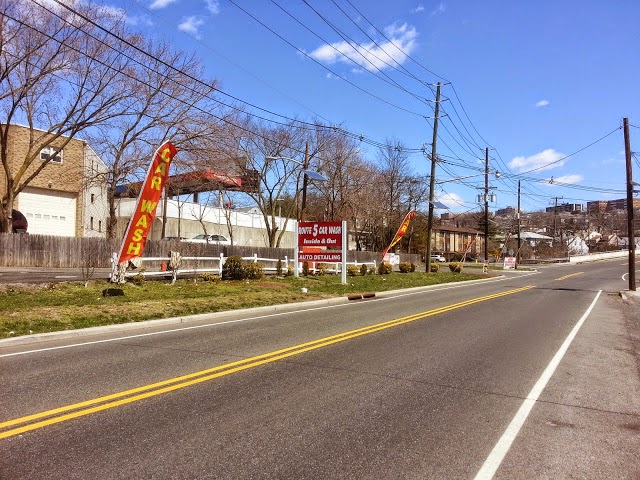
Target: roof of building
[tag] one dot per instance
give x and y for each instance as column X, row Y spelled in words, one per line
column 199, row 181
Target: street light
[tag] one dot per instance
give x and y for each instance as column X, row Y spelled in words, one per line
column 312, row 174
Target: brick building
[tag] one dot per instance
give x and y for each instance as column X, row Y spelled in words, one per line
column 621, row 204
column 60, row 200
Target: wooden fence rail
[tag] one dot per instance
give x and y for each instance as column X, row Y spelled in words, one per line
column 47, row 251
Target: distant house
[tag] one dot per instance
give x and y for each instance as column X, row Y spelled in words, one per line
column 457, row 240
column 61, row 200
column 533, row 239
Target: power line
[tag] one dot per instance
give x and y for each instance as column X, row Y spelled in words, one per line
column 572, row 154
column 302, row 52
column 210, row 48
column 348, row 39
column 300, row 124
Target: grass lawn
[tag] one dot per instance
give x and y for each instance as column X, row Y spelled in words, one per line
column 28, row 309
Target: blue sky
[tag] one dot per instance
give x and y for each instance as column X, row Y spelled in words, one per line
column 539, row 80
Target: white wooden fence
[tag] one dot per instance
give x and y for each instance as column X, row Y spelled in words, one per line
column 160, row 266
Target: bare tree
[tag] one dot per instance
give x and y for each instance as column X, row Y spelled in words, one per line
column 168, row 102
column 276, row 177
column 55, row 82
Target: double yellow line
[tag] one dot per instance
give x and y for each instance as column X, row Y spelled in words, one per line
column 570, row 275
column 50, row 417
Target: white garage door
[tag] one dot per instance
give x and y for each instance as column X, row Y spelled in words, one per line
column 49, row 212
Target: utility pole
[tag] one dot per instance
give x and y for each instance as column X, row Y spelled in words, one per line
column 632, row 241
column 305, row 182
column 555, row 215
column 518, row 218
column 486, row 204
column 432, row 178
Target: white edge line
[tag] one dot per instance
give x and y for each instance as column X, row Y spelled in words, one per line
column 173, row 330
column 495, row 458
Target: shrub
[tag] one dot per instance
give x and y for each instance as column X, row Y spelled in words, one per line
column 434, row 268
column 413, row 267
column 253, row 271
column 233, row 268
column 372, row 271
column 363, row 269
column 305, row 268
column 384, row 268
column 290, row 271
column 322, row 269
column 455, row 267
column 405, row 267
column 279, row 268
column 138, row 279
column 352, row 270
column 209, row 277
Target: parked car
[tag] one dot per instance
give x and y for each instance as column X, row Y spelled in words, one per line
column 438, row 258
column 174, row 239
column 210, row 239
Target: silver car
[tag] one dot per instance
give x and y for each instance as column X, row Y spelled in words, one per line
column 210, row 239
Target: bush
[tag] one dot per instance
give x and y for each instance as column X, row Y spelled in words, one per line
column 372, row 271
column 352, row 270
column 290, row 271
column 233, row 268
column 384, row 268
column 413, row 267
column 209, row 277
column 405, row 267
column 253, row 271
column 138, row 279
column 305, row 268
column 322, row 269
column 434, row 268
column 279, row 268
column 363, row 269
column 455, row 267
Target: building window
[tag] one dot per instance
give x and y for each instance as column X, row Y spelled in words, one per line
column 52, row 154
column 93, row 197
column 91, row 223
column 100, row 226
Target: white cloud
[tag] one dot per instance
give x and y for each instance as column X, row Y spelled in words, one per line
column 114, row 12
column 441, row 9
column 612, row 161
column 453, row 201
column 539, row 161
column 158, row 4
column 213, row 6
column 542, row 103
column 571, row 179
column 191, row 25
column 418, row 9
column 139, row 20
column 369, row 55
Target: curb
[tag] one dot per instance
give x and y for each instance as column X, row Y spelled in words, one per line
column 148, row 324
column 282, row 307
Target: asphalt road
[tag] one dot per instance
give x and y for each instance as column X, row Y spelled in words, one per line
column 43, row 275
column 535, row 375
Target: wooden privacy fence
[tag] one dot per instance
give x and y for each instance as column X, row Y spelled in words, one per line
column 20, row 250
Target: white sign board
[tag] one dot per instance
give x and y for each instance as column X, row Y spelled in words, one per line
column 509, row 263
